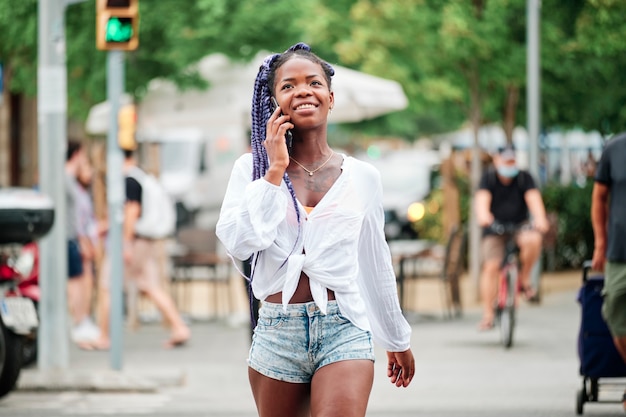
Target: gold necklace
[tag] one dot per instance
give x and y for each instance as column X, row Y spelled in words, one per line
column 316, row 169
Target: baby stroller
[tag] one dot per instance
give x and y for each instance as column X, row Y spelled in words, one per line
column 599, row 358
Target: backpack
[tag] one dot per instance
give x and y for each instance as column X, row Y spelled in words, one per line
column 158, row 214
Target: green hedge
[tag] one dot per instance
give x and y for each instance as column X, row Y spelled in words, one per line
column 574, row 240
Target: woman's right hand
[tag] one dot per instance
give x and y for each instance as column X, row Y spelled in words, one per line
column 400, row 367
column 276, row 146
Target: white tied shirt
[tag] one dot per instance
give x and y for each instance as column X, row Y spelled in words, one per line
column 339, row 245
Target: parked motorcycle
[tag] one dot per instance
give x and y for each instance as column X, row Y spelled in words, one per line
column 25, row 216
column 27, row 267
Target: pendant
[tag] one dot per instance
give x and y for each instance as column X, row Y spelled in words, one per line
column 310, row 174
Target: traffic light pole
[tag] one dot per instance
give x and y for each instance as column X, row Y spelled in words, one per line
column 115, row 202
column 53, row 343
column 533, row 109
column 532, row 90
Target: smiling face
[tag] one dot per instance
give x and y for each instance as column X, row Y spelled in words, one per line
column 303, row 92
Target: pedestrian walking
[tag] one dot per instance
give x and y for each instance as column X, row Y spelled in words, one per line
column 78, row 246
column 90, row 233
column 140, row 254
column 312, row 221
column 608, row 211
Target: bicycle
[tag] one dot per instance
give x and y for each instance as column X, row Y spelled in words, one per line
column 506, row 300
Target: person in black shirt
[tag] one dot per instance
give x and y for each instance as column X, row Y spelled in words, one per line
column 508, row 195
column 140, row 256
column 608, row 211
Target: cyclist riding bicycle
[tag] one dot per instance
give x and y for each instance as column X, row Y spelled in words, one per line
column 508, row 195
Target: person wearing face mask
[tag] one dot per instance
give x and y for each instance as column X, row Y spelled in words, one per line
column 508, row 195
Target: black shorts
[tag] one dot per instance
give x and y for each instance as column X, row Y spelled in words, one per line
column 74, row 259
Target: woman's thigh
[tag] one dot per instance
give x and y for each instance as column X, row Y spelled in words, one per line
column 342, row 389
column 276, row 398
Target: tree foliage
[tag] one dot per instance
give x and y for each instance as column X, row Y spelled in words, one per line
column 172, row 39
column 463, row 60
column 457, row 60
column 584, row 78
column 18, row 48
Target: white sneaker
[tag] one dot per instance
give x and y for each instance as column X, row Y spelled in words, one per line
column 85, row 331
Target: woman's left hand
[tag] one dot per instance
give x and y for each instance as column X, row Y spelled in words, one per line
column 400, row 367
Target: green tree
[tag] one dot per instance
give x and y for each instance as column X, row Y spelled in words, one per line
column 457, row 60
column 584, row 82
column 391, row 39
column 18, row 48
column 172, row 39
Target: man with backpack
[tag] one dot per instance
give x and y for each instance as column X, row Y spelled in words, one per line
column 508, row 195
column 148, row 217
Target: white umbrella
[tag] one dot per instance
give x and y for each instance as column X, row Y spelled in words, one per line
column 358, row 96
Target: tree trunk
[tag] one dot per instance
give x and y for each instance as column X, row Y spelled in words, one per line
column 451, row 215
column 5, row 129
column 508, row 114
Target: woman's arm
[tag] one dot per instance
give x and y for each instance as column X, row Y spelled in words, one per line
column 251, row 212
column 377, row 282
column 380, row 292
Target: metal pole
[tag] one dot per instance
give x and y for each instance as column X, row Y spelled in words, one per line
column 474, row 229
column 532, row 69
column 533, row 106
column 115, row 201
column 53, row 341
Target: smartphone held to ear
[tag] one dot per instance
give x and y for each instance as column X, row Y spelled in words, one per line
column 288, row 136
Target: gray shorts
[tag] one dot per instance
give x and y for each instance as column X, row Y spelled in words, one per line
column 614, row 305
column 291, row 346
column 492, row 247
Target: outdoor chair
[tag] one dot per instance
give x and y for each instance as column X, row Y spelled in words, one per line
column 199, row 261
column 444, row 264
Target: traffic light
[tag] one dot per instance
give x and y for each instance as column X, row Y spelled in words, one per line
column 117, row 25
column 126, row 126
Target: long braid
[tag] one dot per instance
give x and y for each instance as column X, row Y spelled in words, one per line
column 261, row 112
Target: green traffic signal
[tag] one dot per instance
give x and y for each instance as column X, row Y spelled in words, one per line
column 119, row 30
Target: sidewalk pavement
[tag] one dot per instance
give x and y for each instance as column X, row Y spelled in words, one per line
column 217, row 346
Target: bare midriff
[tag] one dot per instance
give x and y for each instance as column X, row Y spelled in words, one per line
column 302, row 294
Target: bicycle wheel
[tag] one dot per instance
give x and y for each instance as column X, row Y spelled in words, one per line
column 507, row 316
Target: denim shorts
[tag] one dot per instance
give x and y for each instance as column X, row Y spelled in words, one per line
column 291, row 346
